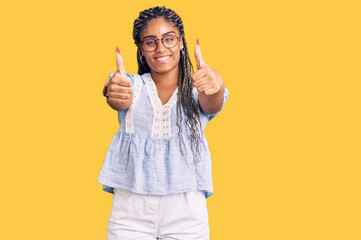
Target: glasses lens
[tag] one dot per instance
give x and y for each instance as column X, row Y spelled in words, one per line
column 150, row 44
column 170, row 40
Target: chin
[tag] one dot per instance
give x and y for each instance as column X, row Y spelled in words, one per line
column 163, row 69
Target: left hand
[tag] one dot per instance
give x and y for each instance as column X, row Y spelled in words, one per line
column 207, row 80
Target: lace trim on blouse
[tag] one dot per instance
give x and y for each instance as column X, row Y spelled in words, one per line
column 137, row 87
column 162, row 121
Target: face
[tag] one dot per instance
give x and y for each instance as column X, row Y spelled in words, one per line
column 162, row 59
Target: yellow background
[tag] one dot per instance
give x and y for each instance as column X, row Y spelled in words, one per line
column 286, row 148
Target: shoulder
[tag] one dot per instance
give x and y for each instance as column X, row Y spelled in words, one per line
column 195, row 93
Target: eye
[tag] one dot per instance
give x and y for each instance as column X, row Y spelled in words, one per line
column 169, row 38
column 149, row 42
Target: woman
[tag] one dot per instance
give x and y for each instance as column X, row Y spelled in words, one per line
column 158, row 164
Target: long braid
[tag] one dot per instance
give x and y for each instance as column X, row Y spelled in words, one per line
column 185, row 87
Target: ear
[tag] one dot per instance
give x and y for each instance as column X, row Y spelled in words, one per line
column 181, row 43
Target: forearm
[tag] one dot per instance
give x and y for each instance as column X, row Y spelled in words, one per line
column 212, row 103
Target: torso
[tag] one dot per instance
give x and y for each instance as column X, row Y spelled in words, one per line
column 165, row 93
column 149, row 155
column 166, row 84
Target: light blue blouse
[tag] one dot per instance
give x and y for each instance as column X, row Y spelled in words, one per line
column 145, row 155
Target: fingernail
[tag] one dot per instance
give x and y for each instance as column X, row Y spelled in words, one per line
column 117, row 50
column 197, row 41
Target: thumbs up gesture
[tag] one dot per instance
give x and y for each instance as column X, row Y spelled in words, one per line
column 207, row 80
column 118, row 89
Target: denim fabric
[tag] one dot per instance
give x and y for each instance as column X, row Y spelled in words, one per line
column 147, row 154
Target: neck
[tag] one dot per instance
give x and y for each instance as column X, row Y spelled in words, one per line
column 169, row 79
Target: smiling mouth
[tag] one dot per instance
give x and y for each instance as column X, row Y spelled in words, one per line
column 162, row 59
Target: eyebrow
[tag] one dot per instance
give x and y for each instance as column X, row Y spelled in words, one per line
column 155, row 36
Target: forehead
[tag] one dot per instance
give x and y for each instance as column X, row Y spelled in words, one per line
column 157, row 27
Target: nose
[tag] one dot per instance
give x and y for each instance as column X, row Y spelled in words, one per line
column 160, row 46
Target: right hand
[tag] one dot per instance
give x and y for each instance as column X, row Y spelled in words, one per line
column 119, row 87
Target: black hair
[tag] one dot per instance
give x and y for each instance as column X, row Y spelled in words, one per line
column 185, row 87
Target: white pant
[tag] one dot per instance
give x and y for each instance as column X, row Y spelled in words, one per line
column 182, row 216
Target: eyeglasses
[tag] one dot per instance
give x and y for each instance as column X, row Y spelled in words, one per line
column 169, row 41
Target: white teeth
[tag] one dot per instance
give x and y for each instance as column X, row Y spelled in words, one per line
column 163, row 58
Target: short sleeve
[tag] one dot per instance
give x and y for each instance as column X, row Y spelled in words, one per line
column 211, row 116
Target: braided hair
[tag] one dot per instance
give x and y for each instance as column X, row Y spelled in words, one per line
column 185, row 98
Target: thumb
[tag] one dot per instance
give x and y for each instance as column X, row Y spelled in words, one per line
column 198, row 55
column 120, row 63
